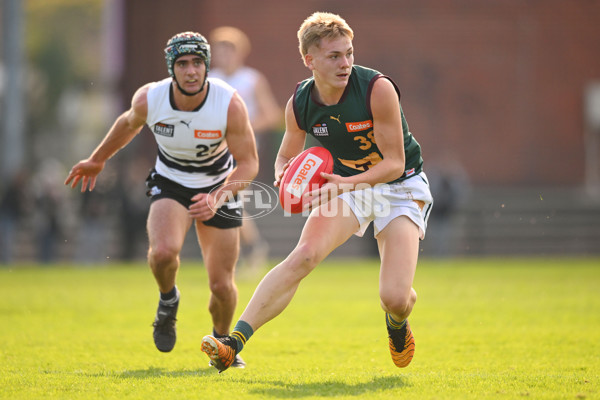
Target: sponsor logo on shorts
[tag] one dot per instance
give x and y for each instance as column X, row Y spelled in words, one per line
column 320, row 130
column 200, row 134
column 154, row 191
column 359, row 126
column 164, row 129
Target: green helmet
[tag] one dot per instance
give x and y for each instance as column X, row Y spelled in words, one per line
column 186, row 43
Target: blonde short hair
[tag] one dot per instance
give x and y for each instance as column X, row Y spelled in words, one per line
column 321, row 25
column 232, row 35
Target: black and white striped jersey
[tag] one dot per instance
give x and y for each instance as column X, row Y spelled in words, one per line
column 192, row 149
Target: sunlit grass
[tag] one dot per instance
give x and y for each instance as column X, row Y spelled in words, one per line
column 492, row 328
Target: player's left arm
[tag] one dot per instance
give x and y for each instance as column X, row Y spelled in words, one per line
column 387, row 129
column 241, row 142
column 242, row 145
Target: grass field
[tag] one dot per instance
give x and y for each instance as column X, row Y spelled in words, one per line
column 484, row 328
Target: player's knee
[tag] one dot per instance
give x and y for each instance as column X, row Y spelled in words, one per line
column 304, row 258
column 162, row 256
column 400, row 304
column 222, row 288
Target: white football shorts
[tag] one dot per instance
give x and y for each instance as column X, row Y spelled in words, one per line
column 382, row 203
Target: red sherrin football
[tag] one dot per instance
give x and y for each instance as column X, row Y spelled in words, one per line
column 304, row 175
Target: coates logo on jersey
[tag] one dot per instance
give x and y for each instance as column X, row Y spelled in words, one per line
column 359, row 126
column 199, row 134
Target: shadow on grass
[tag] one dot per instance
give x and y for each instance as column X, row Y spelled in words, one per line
column 332, row 388
column 161, row 372
column 279, row 388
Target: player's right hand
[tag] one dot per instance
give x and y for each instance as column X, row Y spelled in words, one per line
column 204, row 206
column 279, row 177
column 85, row 171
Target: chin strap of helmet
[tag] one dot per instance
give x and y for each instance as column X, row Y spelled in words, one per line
column 185, row 93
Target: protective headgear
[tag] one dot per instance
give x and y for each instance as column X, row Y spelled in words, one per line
column 186, row 43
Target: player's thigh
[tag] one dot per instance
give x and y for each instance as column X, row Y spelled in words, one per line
column 398, row 246
column 323, row 231
column 220, row 249
column 167, row 225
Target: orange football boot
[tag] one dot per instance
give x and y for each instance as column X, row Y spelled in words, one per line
column 220, row 351
column 402, row 345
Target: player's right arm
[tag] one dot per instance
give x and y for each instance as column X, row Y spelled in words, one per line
column 124, row 129
column 292, row 143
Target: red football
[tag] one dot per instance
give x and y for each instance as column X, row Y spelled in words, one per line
column 304, row 175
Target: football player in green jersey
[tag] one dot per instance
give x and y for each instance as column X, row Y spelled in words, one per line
column 378, row 177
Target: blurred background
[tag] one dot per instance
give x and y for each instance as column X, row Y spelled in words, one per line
column 503, row 95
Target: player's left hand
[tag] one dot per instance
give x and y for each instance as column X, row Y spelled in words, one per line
column 332, row 188
column 204, row 207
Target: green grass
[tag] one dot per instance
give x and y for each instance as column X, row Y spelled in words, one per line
column 485, row 328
